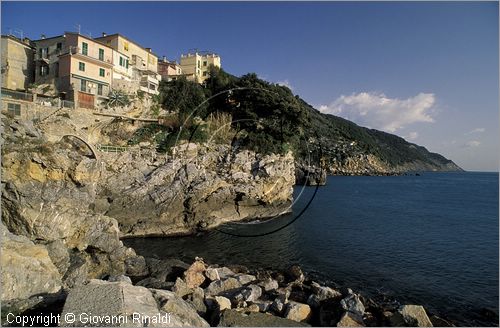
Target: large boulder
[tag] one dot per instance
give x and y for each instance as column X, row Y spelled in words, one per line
column 173, row 304
column 219, row 286
column 194, row 275
column 234, row 318
column 27, row 269
column 297, row 311
column 411, row 316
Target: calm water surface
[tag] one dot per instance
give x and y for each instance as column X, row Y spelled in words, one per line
column 429, row 239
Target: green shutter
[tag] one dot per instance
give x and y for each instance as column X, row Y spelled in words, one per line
column 127, row 63
column 85, row 48
column 101, row 54
column 81, row 66
column 101, row 72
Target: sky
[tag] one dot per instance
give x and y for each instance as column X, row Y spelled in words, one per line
column 426, row 71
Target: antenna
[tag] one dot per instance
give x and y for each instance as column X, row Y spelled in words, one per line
column 19, row 32
column 78, row 27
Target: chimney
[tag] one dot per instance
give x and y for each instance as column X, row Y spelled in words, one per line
column 42, row 36
column 164, row 59
column 104, row 34
column 148, row 49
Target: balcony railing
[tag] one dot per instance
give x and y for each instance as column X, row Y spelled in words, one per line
column 73, row 50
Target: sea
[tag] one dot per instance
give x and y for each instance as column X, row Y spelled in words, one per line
column 428, row 239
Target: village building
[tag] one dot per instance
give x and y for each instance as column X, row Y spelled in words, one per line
column 169, row 70
column 17, row 63
column 73, row 67
column 195, row 66
column 142, row 62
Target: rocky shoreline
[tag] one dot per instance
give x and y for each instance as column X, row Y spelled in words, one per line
column 204, row 295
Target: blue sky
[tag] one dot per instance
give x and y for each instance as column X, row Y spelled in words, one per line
column 423, row 70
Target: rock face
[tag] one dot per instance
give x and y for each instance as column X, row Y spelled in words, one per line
column 27, row 269
column 198, row 187
column 309, row 175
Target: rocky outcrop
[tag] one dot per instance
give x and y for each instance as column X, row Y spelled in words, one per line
column 198, row 187
column 309, row 175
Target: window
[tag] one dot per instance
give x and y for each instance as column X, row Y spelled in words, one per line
column 126, row 63
column 101, row 54
column 125, row 46
column 81, row 66
column 102, row 72
column 205, row 73
column 205, row 63
column 83, row 85
column 59, row 46
column 44, row 70
column 44, row 52
column 122, row 62
column 14, row 109
column 99, row 89
column 56, row 69
column 85, row 48
column 198, row 64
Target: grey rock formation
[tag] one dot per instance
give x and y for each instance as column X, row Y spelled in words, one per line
column 27, row 269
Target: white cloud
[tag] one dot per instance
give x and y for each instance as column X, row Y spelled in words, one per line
column 476, row 130
column 285, row 83
column 471, row 144
column 376, row 110
column 412, row 136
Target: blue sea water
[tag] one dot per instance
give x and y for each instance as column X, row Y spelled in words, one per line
column 430, row 239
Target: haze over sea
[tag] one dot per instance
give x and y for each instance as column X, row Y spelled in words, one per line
column 429, row 239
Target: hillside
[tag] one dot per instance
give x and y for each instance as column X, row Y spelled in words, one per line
column 268, row 118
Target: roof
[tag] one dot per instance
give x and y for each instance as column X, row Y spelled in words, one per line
column 129, row 40
column 13, row 38
column 89, row 38
column 52, row 37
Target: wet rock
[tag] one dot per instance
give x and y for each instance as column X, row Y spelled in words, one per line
column 353, row 304
column 297, row 311
column 218, row 273
column 234, row 318
column 412, row 316
column 323, row 292
column 194, row 275
column 245, row 278
column 268, row 284
column 349, row 320
column 264, row 306
column 248, row 294
column 440, row 322
column 278, row 305
column 220, row 286
column 294, row 273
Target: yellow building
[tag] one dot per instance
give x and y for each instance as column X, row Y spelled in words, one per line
column 74, row 67
column 17, row 63
column 142, row 61
column 195, row 66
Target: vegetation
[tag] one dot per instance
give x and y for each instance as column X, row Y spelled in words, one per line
column 268, row 118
